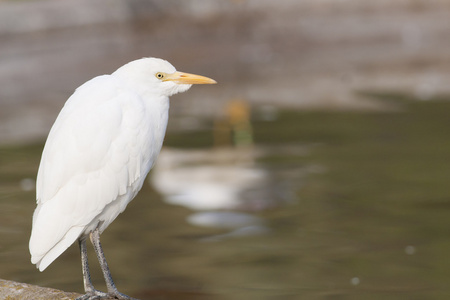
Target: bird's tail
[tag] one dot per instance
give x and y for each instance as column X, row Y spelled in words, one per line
column 50, row 239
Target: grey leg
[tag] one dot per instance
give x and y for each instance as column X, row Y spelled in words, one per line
column 91, row 292
column 112, row 290
column 88, row 287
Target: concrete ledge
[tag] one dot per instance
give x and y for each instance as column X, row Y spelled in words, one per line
column 24, row 291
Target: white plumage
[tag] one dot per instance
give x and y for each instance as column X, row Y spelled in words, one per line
column 100, row 149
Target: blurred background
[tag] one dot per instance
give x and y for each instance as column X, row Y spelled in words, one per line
column 315, row 169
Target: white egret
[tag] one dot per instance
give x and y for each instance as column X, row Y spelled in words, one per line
column 102, row 145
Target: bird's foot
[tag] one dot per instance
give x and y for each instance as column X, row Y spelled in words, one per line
column 98, row 295
column 94, row 295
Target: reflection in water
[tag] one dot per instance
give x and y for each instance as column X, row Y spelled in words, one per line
column 205, row 180
column 226, row 220
column 212, row 181
column 240, row 224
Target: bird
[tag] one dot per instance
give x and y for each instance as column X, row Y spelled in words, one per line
column 97, row 155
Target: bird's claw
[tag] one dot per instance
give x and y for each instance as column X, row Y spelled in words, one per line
column 97, row 295
column 94, row 295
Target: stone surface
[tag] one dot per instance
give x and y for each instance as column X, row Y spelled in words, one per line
column 24, row 291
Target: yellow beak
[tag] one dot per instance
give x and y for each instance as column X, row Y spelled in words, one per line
column 186, row 78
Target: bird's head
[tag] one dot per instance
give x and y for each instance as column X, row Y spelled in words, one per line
column 159, row 76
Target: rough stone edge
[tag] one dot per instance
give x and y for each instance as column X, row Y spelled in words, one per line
column 23, row 291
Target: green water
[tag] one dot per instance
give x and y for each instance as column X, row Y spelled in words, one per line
column 367, row 216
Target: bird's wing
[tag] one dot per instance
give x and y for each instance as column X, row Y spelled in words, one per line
column 93, row 154
column 95, row 135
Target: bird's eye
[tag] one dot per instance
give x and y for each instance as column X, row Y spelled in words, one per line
column 159, row 75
